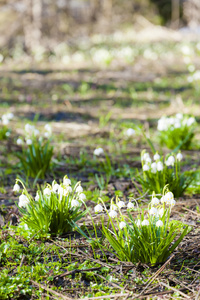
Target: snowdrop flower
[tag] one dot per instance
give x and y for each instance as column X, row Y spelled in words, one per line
column 5, row 121
column 148, row 160
column 55, row 187
column 16, row 188
column 47, row 192
column 7, row 133
column 79, row 189
column 145, row 156
column 29, row 128
column 138, row 222
column 154, row 167
column 160, row 166
column 113, row 213
column 168, row 197
column 122, row 225
column 29, row 142
column 35, row 132
column 155, row 201
column 98, row 151
column 37, row 197
column 159, row 223
column 145, row 168
column 172, row 202
column 190, row 121
column 161, row 212
column 47, row 128
column 162, row 199
column 82, row 197
column 153, row 211
column 191, row 68
column 47, row 135
column 186, row 50
column 156, row 156
column 66, row 181
column 68, row 189
column 130, row 205
column 130, row 132
column 145, row 223
column 179, row 156
column 177, row 124
column 170, row 161
column 121, row 204
column 98, row 208
column 9, row 116
column 162, row 124
column 75, row 203
column 179, row 116
column 23, row 201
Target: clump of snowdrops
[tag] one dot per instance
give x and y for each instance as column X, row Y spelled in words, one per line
column 150, row 237
column 159, row 171
column 55, row 209
column 4, row 121
column 37, row 151
column 176, row 131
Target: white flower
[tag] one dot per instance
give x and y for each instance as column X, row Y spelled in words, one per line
column 79, row 189
column 145, row 223
column 47, row 128
column 156, row 156
column 23, row 201
column 154, row 167
column 145, row 156
column 82, row 197
column 145, row 168
column 19, row 141
column 179, row 116
column 55, row 187
column 130, row 205
column 162, row 200
column 75, row 203
column 190, row 121
column 5, row 121
column 153, row 211
column 130, row 132
column 7, row 133
column 29, row 128
column 179, row 156
column 169, row 197
column 121, row 204
column 122, row 225
column 68, row 189
column 29, row 142
column 98, row 151
column 163, row 124
column 98, row 208
column 66, row 181
column 170, row 161
column 160, row 166
column 148, row 160
column 35, row 132
column 161, row 212
column 16, row 188
column 138, row 222
column 37, row 197
column 159, row 223
column 10, row 116
column 113, row 213
column 47, row 192
column 172, row 202
column 155, row 201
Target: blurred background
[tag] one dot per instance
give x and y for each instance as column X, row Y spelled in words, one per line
column 29, row 26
